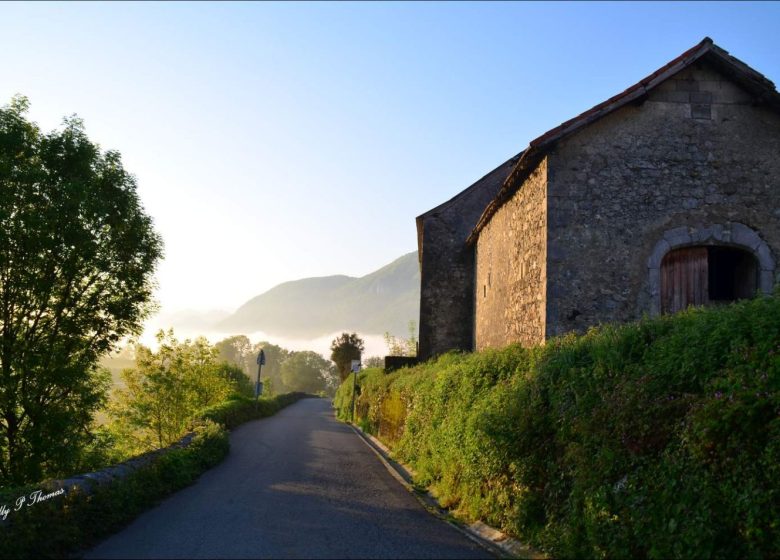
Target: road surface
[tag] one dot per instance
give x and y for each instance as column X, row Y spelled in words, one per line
column 296, row 485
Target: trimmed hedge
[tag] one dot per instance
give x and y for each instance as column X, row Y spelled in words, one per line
column 239, row 409
column 654, row 439
column 77, row 519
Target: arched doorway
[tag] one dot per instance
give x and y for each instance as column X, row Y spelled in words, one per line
column 719, row 263
column 700, row 275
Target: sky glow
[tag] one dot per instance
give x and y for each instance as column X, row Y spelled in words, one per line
column 273, row 142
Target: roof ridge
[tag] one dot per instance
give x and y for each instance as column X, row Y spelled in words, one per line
column 536, row 148
column 514, row 159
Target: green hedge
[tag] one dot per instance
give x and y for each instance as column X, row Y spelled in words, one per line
column 239, row 409
column 63, row 524
column 655, row 439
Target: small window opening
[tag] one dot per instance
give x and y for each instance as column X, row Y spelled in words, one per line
column 705, row 275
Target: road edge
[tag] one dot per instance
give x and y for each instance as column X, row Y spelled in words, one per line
column 490, row 538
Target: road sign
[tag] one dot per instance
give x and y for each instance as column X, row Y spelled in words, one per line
column 355, row 366
column 258, row 389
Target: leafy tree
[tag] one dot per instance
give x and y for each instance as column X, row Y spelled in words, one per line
column 237, row 351
column 77, row 255
column 269, row 387
column 237, row 378
column 332, row 379
column 234, row 350
column 240, row 351
column 305, row 371
column 398, row 346
column 275, row 356
column 374, row 362
column 165, row 390
column 343, row 350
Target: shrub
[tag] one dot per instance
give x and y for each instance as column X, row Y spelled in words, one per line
column 76, row 519
column 659, row 438
column 240, row 409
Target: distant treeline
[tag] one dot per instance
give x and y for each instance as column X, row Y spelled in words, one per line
column 285, row 371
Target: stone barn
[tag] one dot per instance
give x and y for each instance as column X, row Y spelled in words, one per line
column 664, row 196
column 447, row 265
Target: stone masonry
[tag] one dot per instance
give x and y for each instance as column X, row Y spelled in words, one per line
column 697, row 154
column 511, row 268
column 447, row 266
column 576, row 233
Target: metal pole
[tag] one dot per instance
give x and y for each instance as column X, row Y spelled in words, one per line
column 354, row 390
column 257, row 385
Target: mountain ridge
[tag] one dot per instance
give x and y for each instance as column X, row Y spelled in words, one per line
column 384, row 300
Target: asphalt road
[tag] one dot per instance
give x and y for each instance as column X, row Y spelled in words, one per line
column 296, row 485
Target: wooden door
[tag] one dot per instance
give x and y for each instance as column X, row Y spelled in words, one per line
column 684, row 279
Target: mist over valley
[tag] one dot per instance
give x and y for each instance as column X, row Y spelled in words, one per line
column 307, row 314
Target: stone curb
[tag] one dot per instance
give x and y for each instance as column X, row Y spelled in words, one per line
column 495, row 541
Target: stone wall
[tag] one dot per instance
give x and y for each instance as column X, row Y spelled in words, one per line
column 697, row 155
column 511, row 271
column 447, row 266
column 393, row 363
column 88, row 482
column 446, row 281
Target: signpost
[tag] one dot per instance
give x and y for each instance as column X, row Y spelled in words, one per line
column 258, row 385
column 355, row 368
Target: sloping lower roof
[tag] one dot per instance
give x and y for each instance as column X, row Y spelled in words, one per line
column 491, row 180
column 754, row 82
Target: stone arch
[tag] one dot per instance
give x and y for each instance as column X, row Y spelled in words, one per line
column 730, row 234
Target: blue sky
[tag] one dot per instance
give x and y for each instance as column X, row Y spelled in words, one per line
column 278, row 141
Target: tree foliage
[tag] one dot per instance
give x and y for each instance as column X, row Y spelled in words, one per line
column 307, row 372
column 343, row 350
column 235, row 350
column 275, row 357
column 77, row 254
column 374, row 362
column 166, row 389
column 239, row 350
column 398, row 346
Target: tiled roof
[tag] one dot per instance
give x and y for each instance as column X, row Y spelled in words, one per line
column 740, row 72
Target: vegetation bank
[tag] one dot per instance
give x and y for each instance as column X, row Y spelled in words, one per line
column 654, row 439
